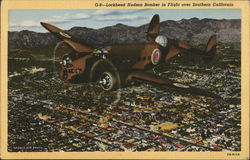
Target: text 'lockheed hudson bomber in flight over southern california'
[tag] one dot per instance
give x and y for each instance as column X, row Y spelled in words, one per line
column 113, row 66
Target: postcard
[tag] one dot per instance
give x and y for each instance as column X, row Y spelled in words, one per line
column 124, row 79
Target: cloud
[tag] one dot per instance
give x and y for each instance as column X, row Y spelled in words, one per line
column 29, row 23
column 12, row 24
column 26, row 23
column 56, row 21
column 106, row 12
column 119, row 15
column 116, row 12
column 79, row 16
column 97, row 15
column 122, row 18
column 56, row 17
column 66, row 18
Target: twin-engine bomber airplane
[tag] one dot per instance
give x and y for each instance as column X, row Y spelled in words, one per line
column 112, row 66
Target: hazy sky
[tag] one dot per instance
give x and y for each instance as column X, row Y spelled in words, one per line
column 66, row 19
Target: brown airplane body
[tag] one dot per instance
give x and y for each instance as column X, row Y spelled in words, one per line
column 112, row 66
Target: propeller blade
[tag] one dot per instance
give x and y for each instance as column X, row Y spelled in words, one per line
column 210, row 49
column 211, row 43
column 76, row 44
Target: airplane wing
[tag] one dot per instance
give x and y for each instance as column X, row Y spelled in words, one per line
column 150, row 77
column 76, row 44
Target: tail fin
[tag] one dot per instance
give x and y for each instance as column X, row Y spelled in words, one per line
column 210, row 49
column 153, row 28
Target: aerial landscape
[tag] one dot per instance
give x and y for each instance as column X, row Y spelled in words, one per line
column 46, row 114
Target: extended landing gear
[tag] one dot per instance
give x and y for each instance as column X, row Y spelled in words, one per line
column 107, row 81
column 106, row 74
column 105, row 77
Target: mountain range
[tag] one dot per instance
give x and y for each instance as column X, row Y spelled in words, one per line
column 194, row 31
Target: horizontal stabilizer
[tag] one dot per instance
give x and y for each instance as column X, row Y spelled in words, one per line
column 177, row 47
column 150, row 77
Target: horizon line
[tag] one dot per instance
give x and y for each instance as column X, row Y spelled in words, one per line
column 126, row 25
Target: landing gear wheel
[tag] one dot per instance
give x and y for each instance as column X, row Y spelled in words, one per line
column 106, row 74
column 106, row 78
column 107, row 81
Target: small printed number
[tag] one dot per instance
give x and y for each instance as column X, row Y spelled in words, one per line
column 233, row 154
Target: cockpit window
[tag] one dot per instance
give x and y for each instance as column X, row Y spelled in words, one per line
column 161, row 40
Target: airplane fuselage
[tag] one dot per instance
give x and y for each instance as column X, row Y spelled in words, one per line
column 125, row 57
